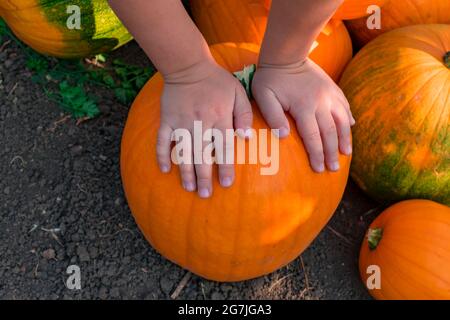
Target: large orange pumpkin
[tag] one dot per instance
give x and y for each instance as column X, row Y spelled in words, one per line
column 245, row 21
column 352, row 9
column 409, row 246
column 396, row 14
column 253, row 228
column 399, row 90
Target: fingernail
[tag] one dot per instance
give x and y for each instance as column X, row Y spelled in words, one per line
column 189, row 186
column 282, row 132
column 353, row 121
column 203, row 193
column 165, row 168
column 334, row 166
column 226, row 182
column 320, row 168
column 348, row 150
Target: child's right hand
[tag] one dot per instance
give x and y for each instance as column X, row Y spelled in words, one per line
column 203, row 92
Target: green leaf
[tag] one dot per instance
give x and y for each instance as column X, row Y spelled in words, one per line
column 100, row 57
column 246, row 77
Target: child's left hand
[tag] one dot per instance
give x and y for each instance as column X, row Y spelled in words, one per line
column 316, row 103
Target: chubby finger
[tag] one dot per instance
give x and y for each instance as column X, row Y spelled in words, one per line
column 242, row 113
column 163, row 142
column 203, row 170
column 343, row 130
column 224, row 151
column 185, row 161
column 272, row 111
column 329, row 136
column 309, row 131
column 343, row 100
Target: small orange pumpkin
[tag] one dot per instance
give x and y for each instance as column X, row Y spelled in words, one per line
column 253, row 228
column 245, row 21
column 408, row 248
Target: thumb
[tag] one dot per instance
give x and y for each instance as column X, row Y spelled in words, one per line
column 272, row 112
column 243, row 115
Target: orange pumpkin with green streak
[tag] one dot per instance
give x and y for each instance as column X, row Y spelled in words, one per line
column 253, row 228
column 409, row 242
column 245, row 21
column 398, row 87
column 42, row 24
column 401, row 13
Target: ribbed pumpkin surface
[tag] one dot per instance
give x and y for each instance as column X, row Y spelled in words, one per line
column 413, row 254
column 396, row 14
column 398, row 87
column 253, row 228
column 42, row 24
column 245, row 21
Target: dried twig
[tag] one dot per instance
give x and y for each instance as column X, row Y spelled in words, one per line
column 94, row 62
column 34, row 227
column 53, row 232
column 306, row 274
column 4, row 45
column 276, row 283
column 339, row 235
column 365, row 214
column 81, row 189
column 181, row 285
column 81, row 120
column 117, row 232
column 13, row 89
column 57, row 122
column 17, row 158
column 203, row 290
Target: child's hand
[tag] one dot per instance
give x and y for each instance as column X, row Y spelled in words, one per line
column 316, row 103
column 204, row 92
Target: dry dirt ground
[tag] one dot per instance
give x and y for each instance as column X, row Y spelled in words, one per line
column 61, row 203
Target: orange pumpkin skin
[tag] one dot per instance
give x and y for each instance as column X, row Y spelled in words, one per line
column 253, row 228
column 413, row 254
column 396, row 14
column 352, row 9
column 398, row 90
column 245, row 21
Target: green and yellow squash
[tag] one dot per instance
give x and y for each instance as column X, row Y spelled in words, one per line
column 398, row 87
column 43, row 25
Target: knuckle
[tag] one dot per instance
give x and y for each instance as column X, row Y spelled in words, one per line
column 312, row 135
column 245, row 115
column 330, row 130
column 186, row 171
column 203, row 181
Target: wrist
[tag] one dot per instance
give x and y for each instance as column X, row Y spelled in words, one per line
column 192, row 72
column 288, row 66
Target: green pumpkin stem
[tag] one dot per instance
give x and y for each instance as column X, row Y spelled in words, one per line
column 246, row 77
column 374, row 237
column 447, row 59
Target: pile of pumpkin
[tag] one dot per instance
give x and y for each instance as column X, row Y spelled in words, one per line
column 398, row 86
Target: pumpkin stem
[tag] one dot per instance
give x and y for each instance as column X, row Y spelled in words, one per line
column 246, row 77
column 374, row 237
column 447, row 59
